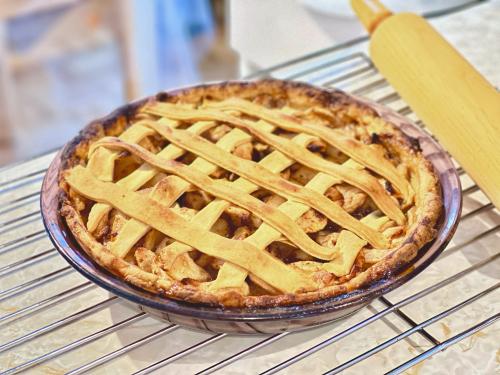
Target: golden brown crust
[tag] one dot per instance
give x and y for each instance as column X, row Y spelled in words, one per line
column 301, row 96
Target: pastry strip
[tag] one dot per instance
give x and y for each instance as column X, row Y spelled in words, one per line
column 102, row 161
column 265, row 235
column 133, row 229
column 179, row 263
column 142, row 174
column 223, row 190
column 363, row 154
column 259, row 175
column 165, row 220
column 274, row 162
column 361, row 180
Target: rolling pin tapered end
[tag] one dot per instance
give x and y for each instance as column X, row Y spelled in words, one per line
column 370, row 13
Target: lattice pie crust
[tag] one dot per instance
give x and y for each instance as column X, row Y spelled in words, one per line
column 249, row 194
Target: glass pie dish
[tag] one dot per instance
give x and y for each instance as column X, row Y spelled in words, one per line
column 260, row 319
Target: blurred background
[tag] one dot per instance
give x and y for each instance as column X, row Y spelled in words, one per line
column 66, row 62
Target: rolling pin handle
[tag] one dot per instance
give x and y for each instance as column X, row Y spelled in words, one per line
column 370, row 13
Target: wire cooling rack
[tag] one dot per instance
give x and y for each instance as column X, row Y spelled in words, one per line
column 54, row 321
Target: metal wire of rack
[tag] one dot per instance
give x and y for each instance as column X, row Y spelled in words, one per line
column 42, row 299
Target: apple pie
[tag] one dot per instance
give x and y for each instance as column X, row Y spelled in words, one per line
column 262, row 193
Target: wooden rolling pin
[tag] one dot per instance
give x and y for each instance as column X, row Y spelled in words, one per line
column 459, row 106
